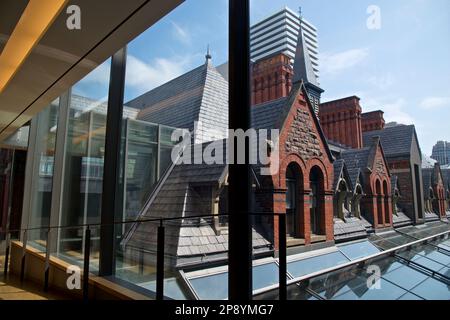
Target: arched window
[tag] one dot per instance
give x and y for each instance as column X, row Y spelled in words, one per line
column 386, row 203
column 317, row 212
column 294, row 201
column 379, row 202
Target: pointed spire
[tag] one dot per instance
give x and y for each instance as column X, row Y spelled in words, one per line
column 208, row 55
column 303, row 69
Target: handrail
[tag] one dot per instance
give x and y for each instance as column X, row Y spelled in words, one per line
column 351, row 263
column 155, row 219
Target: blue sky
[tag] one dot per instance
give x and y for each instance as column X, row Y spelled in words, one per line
column 402, row 68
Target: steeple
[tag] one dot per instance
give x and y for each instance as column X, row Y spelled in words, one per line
column 208, row 56
column 303, row 71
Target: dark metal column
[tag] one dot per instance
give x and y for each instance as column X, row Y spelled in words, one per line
column 239, row 190
column 111, row 195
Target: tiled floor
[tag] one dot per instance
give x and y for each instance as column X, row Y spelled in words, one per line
column 12, row 289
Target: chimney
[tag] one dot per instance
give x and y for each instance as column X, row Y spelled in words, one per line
column 372, row 121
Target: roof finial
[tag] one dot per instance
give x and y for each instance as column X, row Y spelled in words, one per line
column 208, row 54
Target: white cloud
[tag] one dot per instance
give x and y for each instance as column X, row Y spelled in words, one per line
column 337, row 62
column 435, row 102
column 100, row 75
column 143, row 77
column 181, row 33
column 393, row 109
column 382, row 82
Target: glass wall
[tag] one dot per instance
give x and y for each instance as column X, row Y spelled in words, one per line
column 39, row 181
column 83, row 162
column 173, row 81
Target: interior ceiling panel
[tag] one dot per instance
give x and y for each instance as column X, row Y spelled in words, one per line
column 63, row 56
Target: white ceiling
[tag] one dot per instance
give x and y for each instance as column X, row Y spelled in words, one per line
column 63, row 57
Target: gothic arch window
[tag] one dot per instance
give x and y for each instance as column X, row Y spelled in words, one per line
column 379, row 197
column 317, row 201
column 294, row 199
column 386, row 202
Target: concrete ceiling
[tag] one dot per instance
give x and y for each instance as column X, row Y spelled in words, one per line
column 64, row 56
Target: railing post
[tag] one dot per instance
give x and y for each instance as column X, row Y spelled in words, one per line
column 47, row 261
column 24, row 253
column 282, row 257
column 160, row 263
column 7, row 243
column 141, row 261
column 87, row 254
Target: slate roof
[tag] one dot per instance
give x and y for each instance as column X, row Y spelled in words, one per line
column 187, row 190
column 350, row 229
column 396, row 141
column 340, row 170
column 198, row 95
column 266, row 115
column 303, row 69
column 356, row 161
column 400, row 220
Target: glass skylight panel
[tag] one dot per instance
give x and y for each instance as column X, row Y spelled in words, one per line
column 265, row 275
column 409, row 296
column 309, row 265
column 172, row 288
column 405, row 277
column 351, row 284
column 213, row 287
column 432, row 289
column 358, row 250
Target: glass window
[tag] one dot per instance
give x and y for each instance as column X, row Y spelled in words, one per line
column 432, row 289
column 213, row 287
column 265, row 275
column 44, row 127
column 358, row 250
column 306, row 266
column 84, row 160
column 171, row 83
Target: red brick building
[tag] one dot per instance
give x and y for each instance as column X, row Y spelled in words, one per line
column 372, row 121
column 302, row 188
column 341, row 121
column 376, row 205
column 434, row 191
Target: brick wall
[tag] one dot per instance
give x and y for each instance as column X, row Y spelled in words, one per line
column 271, row 78
column 341, row 121
column 301, row 144
column 372, row 121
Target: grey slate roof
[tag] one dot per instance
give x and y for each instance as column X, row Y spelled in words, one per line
column 266, row 115
column 401, row 220
column 303, row 69
column 340, row 170
column 396, row 141
column 198, row 95
column 187, row 190
column 356, row 161
column 351, row 228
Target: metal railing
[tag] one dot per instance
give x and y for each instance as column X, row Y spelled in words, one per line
column 160, row 251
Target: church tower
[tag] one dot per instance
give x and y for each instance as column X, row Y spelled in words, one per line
column 303, row 71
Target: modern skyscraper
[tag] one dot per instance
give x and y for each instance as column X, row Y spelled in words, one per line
column 279, row 33
column 441, row 152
